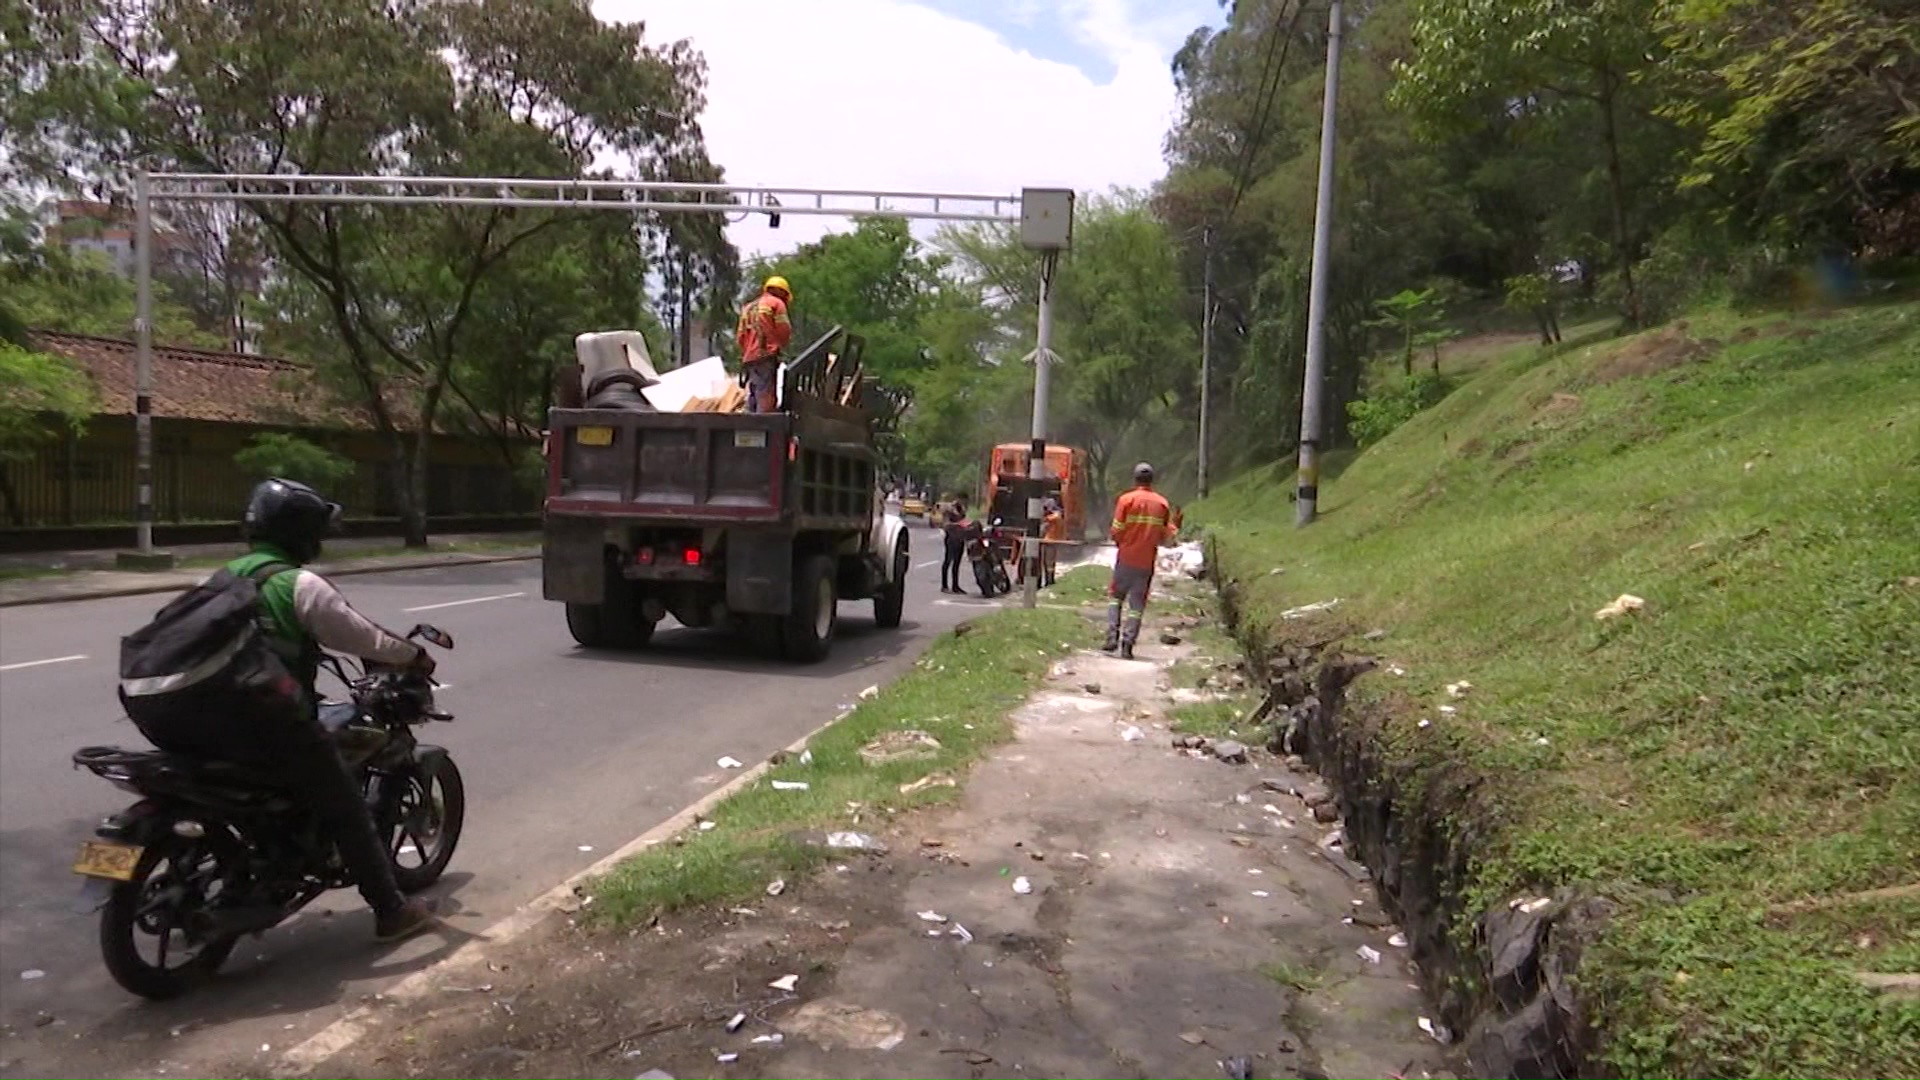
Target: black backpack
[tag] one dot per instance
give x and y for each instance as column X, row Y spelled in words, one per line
column 205, row 655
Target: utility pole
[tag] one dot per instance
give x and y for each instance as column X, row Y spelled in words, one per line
column 1046, row 226
column 143, row 557
column 1206, row 355
column 1308, row 491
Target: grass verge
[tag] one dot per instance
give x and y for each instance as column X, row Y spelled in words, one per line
column 1743, row 746
column 960, row 692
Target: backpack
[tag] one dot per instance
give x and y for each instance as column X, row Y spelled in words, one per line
column 205, row 654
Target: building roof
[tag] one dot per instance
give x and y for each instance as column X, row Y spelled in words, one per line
column 201, row 384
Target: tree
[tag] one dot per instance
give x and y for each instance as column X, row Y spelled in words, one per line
column 491, row 87
column 1541, row 60
column 290, row 457
column 1808, row 116
column 39, row 396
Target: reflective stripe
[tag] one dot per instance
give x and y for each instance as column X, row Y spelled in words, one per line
column 161, row 684
column 1142, row 519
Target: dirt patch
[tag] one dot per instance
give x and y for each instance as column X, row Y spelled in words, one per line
column 1650, row 354
column 1556, row 408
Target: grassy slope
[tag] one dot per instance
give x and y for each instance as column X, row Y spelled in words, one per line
column 1751, row 739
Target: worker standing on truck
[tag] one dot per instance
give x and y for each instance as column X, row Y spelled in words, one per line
column 1142, row 523
column 763, row 331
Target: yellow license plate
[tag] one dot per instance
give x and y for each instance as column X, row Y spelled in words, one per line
column 102, row 859
column 593, row 436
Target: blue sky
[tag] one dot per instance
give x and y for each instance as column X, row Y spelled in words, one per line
column 929, row 95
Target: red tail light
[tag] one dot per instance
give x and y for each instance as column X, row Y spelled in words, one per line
column 644, row 556
column 793, row 449
column 692, row 555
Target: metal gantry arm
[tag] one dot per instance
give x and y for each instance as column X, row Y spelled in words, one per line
column 533, row 193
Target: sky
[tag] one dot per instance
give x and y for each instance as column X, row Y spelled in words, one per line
column 985, row 96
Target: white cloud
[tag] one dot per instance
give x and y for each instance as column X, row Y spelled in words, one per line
column 890, row 95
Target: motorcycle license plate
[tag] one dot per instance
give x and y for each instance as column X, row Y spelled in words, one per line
column 105, row 859
column 593, row 436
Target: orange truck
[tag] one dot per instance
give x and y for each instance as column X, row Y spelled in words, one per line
column 1067, row 480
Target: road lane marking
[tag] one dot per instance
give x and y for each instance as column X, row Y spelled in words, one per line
column 461, row 603
column 929, row 562
column 42, row 663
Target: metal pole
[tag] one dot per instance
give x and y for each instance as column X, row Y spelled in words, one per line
column 1310, row 423
column 143, row 365
column 1206, row 356
column 1037, row 454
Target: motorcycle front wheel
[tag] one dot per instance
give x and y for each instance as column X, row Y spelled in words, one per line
column 151, row 927
column 429, row 810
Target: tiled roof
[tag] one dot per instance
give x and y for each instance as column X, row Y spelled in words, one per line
column 199, row 384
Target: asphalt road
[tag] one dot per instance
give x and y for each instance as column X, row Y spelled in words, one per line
column 567, row 754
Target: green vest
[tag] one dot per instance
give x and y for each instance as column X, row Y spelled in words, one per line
column 277, row 618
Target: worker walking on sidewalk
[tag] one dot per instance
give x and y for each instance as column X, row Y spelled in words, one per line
column 763, row 331
column 1142, row 523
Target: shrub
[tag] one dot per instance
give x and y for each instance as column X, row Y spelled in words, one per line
column 291, row 457
column 1374, row 417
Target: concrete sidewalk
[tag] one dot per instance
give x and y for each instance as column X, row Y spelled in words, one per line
column 56, row 577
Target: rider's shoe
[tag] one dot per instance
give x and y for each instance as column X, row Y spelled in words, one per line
column 410, row 918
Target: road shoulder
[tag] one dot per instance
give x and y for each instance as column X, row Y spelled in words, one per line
column 1094, row 901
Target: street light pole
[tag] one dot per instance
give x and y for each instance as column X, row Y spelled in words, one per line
column 1206, row 357
column 1310, row 404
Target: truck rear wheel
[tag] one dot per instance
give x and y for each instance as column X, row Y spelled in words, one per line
column 587, row 625
column 616, row 624
column 808, row 633
column 890, row 603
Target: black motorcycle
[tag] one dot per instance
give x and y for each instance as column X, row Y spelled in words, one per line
column 989, row 565
column 213, row 851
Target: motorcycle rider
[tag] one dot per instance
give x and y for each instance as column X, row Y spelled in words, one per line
column 301, row 614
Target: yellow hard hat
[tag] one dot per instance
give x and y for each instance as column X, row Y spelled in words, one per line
column 778, row 282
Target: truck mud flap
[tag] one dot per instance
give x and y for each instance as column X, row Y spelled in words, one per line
column 759, row 572
column 573, row 565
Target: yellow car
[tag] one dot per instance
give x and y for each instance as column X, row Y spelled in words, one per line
column 913, row 506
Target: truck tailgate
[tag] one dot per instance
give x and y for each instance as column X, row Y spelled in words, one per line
column 688, row 466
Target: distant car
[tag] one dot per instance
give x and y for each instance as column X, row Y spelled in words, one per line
column 913, row 506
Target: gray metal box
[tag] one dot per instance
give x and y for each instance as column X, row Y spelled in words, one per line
column 1046, row 218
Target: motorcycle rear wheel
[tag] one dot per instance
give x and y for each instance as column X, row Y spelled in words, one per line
column 140, row 909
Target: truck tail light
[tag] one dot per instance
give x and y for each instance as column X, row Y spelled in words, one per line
column 793, row 448
column 644, row 556
column 692, row 556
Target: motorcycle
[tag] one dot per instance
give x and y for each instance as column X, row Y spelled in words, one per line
column 213, row 851
column 989, row 567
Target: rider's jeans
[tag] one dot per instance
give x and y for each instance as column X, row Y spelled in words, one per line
column 297, row 756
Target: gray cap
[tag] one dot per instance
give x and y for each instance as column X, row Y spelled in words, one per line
column 1143, row 473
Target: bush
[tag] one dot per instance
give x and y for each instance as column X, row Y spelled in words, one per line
column 291, row 457
column 1375, row 416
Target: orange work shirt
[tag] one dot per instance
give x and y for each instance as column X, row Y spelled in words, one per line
column 1054, row 526
column 764, row 329
column 1142, row 521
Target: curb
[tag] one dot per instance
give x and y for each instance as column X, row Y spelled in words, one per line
column 349, row 1029
column 143, row 590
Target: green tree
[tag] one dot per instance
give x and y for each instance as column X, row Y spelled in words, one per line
column 1553, row 62
column 534, row 88
column 39, row 396
column 1808, row 116
column 290, row 457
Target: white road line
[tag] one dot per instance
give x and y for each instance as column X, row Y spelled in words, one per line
column 39, row 663
column 929, row 562
column 462, row 603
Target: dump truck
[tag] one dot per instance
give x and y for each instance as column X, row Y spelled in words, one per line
column 663, row 498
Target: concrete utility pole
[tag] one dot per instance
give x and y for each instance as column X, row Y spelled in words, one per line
column 1206, row 356
column 1310, row 422
column 143, row 556
column 1046, row 225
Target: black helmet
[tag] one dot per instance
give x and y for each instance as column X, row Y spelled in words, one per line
column 1143, row 473
column 291, row 516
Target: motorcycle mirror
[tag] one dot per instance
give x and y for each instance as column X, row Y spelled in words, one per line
column 433, row 634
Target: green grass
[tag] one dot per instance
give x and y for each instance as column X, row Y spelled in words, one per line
column 1293, row 976
column 960, row 692
column 1215, row 719
column 1751, row 738
column 1079, row 585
